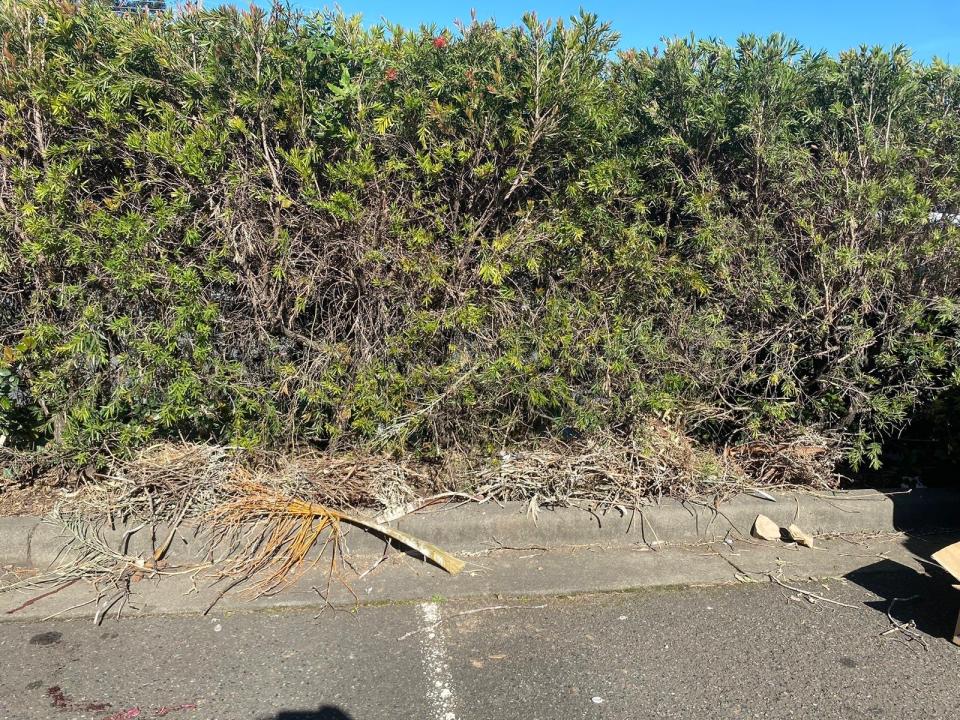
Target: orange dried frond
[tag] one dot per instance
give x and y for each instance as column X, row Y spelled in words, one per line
column 294, row 528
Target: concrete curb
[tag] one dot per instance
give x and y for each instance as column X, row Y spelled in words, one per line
column 30, row 542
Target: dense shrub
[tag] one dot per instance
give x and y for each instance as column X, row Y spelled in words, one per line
column 267, row 229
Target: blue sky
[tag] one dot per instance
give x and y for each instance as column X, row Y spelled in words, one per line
column 928, row 27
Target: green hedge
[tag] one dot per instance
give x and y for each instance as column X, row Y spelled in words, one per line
column 269, row 229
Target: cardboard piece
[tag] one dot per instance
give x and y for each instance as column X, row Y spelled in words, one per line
column 949, row 559
column 956, row 632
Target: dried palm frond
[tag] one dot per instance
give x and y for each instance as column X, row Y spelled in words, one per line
column 86, row 555
column 286, row 529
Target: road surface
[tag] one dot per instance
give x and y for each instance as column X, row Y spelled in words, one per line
column 734, row 651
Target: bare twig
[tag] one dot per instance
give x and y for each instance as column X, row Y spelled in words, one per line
column 31, row 601
column 907, row 629
column 809, row 594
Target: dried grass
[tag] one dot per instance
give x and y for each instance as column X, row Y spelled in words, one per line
column 805, row 461
column 272, row 517
column 169, row 480
column 165, row 479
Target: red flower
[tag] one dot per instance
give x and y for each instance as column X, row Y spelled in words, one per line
column 390, row 74
column 440, row 42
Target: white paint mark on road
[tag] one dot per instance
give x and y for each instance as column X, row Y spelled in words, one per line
column 435, row 665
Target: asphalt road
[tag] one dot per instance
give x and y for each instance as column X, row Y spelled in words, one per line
column 736, row 651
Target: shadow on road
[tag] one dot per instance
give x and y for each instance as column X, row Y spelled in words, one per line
column 326, row 712
column 926, row 597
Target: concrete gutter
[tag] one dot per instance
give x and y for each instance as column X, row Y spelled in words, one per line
column 31, row 542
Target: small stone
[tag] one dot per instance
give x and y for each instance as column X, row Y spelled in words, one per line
column 765, row 528
column 799, row 536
